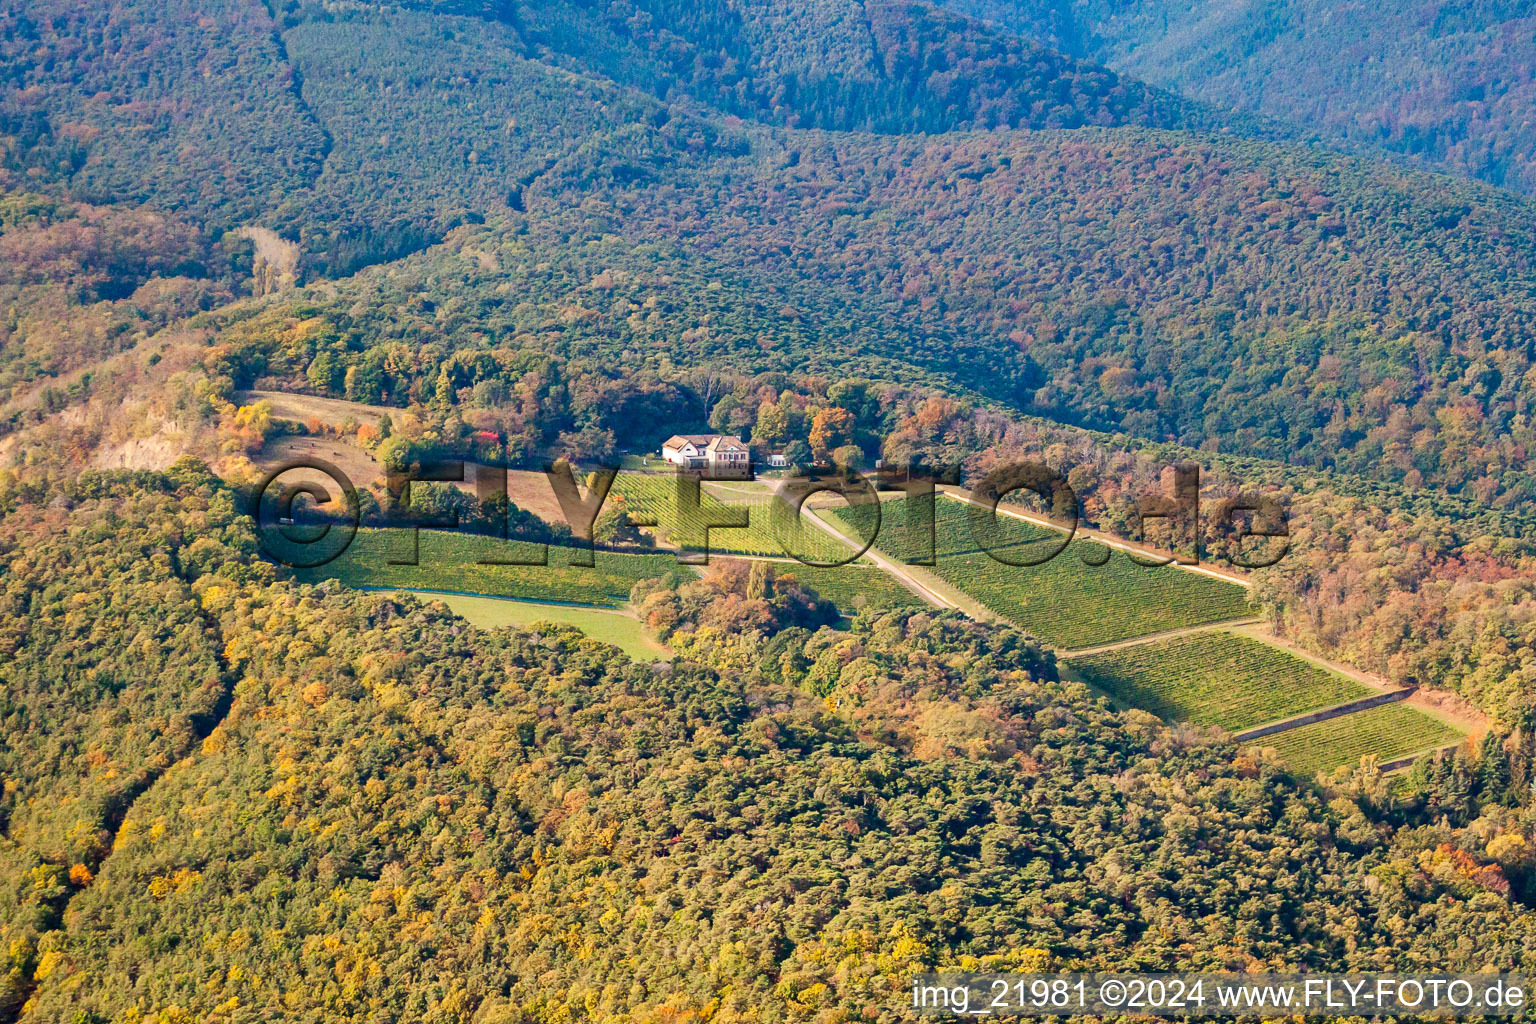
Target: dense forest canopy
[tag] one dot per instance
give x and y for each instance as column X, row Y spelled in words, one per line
column 359, row 103
column 383, row 810
column 1446, row 85
column 1377, row 321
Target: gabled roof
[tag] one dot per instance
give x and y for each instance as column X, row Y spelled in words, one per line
column 709, row 442
column 697, row 440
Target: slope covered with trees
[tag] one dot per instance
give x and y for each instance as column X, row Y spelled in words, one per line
column 1233, row 295
column 883, row 65
column 191, row 106
column 1222, row 295
column 399, row 814
column 111, row 672
column 366, row 131
column 1371, row 320
column 1448, row 84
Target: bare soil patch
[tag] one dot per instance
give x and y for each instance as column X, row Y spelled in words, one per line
column 303, row 408
column 530, row 490
column 359, row 466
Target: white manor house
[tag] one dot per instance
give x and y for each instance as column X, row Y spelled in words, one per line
column 712, row 454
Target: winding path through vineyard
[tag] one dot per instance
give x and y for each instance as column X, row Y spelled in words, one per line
column 908, row 580
column 1099, row 536
column 1171, row 634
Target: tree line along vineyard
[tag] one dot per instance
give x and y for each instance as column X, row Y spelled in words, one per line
column 853, row 588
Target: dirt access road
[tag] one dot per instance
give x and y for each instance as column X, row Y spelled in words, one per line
column 907, row 579
column 1098, row 536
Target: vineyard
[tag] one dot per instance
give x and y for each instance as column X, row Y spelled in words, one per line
column 654, row 496
column 1215, row 678
column 1387, row 732
column 449, row 561
column 1087, row 595
column 853, row 587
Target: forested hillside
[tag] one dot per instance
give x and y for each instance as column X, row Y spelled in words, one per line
column 367, row 131
column 1229, row 296
column 626, row 263
column 192, row 105
column 846, row 231
column 1374, row 321
column 1447, row 84
column 111, row 672
column 391, row 813
column 885, row 65
column 1226, row 295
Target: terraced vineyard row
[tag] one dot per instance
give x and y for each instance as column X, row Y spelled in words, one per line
column 652, row 495
column 449, row 561
column 1216, row 678
column 1067, row 601
column 1388, row 732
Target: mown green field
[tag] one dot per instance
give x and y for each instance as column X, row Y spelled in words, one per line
column 1215, row 678
column 610, row 627
column 1066, row 601
column 449, row 561
column 1388, row 732
column 654, row 495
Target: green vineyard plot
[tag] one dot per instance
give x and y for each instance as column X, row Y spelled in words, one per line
column 654, row 496
column 1216, row 678
column 1067, row 601
column 1388, row 732
column 450, row 562
column 852, row 587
